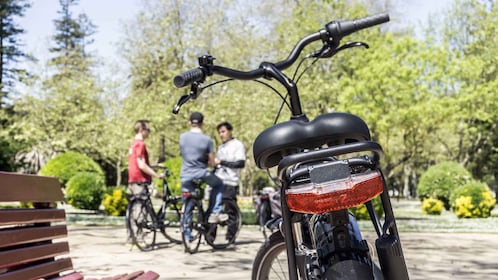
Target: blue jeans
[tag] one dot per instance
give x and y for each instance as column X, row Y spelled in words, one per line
column 215, row 198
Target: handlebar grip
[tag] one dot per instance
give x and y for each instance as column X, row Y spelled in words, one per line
column 188, row 77
column 339, row 29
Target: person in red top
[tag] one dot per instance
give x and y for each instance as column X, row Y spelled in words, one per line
column 140, row 172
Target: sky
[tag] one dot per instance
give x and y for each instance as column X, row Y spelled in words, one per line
column 109, row 15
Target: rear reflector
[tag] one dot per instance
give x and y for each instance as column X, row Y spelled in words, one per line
column 334, row 195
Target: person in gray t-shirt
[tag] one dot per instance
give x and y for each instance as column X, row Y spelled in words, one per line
column 197, row 153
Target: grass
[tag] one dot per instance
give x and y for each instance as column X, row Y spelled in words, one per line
column 408, row 213
column 409, row 218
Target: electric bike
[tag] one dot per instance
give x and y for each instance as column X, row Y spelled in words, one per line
column 326, row 166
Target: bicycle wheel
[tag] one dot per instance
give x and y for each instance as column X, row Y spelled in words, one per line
column 172, row 221
column 220, row 236
column 194, row 225
column 141, row 224
column 271, row 260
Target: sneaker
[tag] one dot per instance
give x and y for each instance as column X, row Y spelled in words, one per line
column 217, row 218
column 189, row 237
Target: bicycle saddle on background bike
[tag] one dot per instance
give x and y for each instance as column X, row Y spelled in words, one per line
column 293, row 136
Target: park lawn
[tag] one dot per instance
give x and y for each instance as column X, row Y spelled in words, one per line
column 409, row 218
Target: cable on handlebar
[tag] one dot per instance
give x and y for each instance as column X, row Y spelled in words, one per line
column 331, row 36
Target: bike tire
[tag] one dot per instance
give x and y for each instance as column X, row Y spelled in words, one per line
column 222, row 235
column 271, row 259
column 140, row 220
column 196, row 227
column 172, row 223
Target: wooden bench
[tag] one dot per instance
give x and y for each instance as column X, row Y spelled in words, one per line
column 30, row 245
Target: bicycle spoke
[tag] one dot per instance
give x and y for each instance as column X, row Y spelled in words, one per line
column 271, row 261
column 281, row 267
column 192, row 227
column 141, row 223
column 172, row 219
column 221, row 235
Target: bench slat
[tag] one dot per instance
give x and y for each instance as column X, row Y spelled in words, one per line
column 132, row 276
column 29, row 216
column 116, row 277
column 34, row 253
column 22, row 235
column 71, row 276
column 39, row 271
column 149, row 275
column 33, row 188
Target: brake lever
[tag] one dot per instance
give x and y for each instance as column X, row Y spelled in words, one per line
column 194, row 92
column 184, row 98
column 349, row 45
column 328, row 51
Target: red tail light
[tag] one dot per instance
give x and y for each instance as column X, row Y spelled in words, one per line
column 186, row 194
column 335, row 195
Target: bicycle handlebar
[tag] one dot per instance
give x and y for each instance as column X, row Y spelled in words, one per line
column 188, row 77
column 334, row 31
column 340, row 29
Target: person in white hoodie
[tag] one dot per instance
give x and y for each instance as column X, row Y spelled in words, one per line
column 230, row 159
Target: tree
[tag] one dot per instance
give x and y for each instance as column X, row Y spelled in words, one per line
column 66, row 114
column 470, row 32
column 10, row 51
column 72, row 36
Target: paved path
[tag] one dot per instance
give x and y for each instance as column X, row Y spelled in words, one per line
column 99, row 251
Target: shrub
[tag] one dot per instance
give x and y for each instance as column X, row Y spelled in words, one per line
column 432, row 206
column 473, row 200
column 66, row 165
column 174, row 165
column 85, row 190
column 361, row 212
column 440, row 180
column 115, row 203
column 26, row 204
column 260, row 180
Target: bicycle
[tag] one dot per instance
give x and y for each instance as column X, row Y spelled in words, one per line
column 325, row 166
column 219, row 235
column 143, row 221
column 267, row 205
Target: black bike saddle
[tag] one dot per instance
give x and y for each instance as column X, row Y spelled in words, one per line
column 293, row 136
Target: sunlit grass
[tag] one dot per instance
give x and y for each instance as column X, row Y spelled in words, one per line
column 409, row 218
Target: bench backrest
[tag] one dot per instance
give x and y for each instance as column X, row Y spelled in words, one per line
column 27, row 246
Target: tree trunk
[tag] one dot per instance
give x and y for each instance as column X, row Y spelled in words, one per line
column 162, row 149
column 118, row 173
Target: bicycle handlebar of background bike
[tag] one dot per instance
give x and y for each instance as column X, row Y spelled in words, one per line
column 333, row 32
